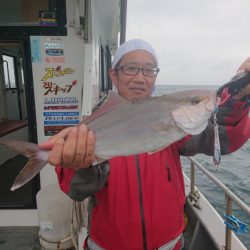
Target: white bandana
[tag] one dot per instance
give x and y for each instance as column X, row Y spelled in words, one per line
column 131, row 45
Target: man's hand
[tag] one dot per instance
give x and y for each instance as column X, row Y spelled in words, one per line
column 72, row 147
column 245, row 66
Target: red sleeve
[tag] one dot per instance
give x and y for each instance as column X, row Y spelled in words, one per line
column 64, row 176
column 237, row 121
column 239, row 134
column 234, row 110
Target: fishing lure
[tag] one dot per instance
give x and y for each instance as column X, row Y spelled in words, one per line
column 217, row 148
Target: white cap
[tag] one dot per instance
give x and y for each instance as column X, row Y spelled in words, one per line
column 131, row 45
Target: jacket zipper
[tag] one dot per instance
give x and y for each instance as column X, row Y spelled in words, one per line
column 144, row 233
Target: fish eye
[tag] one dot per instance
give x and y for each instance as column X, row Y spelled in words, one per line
column 196, row 100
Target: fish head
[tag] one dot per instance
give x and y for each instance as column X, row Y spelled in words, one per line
column 194, row 110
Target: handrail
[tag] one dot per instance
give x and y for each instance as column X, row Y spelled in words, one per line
column 230, row 196
column 222, row 186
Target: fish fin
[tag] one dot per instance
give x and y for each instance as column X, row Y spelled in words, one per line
column 22, row 147
column 112, row 102
column 197, row 130
column 155, row 151
column 30, row 170
column 98, row 161
column 161, row 127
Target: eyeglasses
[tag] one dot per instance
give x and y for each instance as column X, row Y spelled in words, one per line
column 131, row 70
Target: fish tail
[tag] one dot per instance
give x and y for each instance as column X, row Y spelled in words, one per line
column 37, row 160
column 29, row 171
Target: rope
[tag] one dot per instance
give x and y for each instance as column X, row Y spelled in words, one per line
column 58, row 243
column 79, row 212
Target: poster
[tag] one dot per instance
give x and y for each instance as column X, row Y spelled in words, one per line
column 57, row 64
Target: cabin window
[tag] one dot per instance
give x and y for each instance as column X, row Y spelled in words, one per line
column 24, row 12
column 35, row 17
column 9, row 72
column 103, row 70
column 22, row 74
column 105, row 63
column 108, row 59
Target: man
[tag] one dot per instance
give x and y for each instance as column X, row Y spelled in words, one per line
column 137, row 202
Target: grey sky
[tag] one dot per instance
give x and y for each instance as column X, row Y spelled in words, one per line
column 197, row 41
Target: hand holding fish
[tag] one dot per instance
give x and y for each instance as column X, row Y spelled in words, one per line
column 72, row 147
column 245, row 91
column 245, row 66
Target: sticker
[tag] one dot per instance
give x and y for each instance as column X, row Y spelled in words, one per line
column 47, row 18
column 36, row 55
column 61, row 107
column 53, row 45
column 56, row 72
column 52, row 130
column 55, row 89
column 60, row 113
column 60, row 100
column 46, row 226
column 54, row 52
column 47, row 22
column 54, row 59
column 74, row 122
column 54, row 48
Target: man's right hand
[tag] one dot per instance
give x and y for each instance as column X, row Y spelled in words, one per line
column 72, row 147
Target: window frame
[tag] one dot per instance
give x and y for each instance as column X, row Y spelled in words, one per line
column 9, row 86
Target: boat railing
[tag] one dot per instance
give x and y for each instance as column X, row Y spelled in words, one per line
column 230, row 196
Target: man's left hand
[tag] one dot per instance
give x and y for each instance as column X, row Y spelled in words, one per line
column 245, row 66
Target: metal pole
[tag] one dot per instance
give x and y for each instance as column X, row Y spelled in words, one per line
column 123, row 20
column 228, row 230
column 192, row 178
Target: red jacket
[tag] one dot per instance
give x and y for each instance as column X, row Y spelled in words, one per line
column 139, row 200
column 148, row 188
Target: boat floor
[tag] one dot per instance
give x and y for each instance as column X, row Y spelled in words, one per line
column 21, row 238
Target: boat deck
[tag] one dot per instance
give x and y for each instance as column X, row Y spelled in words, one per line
column 21, row 238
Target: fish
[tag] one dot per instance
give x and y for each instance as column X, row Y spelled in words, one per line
column 125, row 128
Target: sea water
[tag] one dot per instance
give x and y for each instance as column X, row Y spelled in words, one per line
column 234, row 173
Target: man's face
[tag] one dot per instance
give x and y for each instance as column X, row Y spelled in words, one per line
column 134, row 87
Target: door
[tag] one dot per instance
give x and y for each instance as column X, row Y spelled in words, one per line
column 17, row 121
